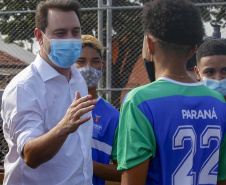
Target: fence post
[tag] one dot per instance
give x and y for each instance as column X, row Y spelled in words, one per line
column 100, row 37
column 109, row 51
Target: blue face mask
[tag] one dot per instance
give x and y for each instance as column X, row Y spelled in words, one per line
column 64, row 52
column 218, row 85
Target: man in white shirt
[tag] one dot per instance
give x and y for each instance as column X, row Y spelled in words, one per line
column 46, row 108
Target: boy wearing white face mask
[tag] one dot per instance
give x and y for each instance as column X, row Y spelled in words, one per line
column 105, row 116
column 211, row 65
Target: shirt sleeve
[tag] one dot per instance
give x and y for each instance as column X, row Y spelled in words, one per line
column 222, row 161
column 23, row 115
column 136, row 140
column 114, row 148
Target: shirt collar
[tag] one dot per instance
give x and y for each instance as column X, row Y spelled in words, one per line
column 180, row 83
column 98, row 98
column 47, row 72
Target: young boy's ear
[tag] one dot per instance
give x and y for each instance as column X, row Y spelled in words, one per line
column 199, row 78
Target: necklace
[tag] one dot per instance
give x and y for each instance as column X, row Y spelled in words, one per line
column 179, row 76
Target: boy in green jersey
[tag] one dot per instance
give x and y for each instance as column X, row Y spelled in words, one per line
column 171, row 131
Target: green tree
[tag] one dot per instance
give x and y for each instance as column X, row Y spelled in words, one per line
column 18, row 26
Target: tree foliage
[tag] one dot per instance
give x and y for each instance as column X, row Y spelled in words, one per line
column 21, row 26
column 17, row 26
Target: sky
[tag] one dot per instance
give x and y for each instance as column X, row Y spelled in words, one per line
column 209, row 30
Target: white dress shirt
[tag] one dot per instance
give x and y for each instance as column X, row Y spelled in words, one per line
column 32, row 104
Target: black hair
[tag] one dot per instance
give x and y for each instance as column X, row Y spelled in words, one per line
column 173, row 21
column 210, row 48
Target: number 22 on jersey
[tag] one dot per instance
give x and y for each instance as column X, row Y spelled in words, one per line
column 184, row 173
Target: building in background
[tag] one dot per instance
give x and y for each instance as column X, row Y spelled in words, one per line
column 13, row 59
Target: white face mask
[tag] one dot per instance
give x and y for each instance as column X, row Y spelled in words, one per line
column 91, row 75
column 217, row 85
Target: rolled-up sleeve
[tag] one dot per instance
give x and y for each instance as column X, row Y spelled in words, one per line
column 22, row 112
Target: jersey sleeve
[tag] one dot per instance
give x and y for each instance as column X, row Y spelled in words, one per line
column 136, row 140
column 114, row 148
column 222, row 161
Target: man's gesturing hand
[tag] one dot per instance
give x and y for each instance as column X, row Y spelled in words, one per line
column 80, row 106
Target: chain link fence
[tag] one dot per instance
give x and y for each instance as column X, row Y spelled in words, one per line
column 117, row 23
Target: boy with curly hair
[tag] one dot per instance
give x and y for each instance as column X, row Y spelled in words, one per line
column 171, row 131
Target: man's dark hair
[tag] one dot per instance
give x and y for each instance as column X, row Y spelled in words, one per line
column 176, row 22
column 210, row 48
column 43, row 8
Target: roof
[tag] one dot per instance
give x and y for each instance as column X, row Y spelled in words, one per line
column 7, row 60
column 17, row 52
column 10, row 65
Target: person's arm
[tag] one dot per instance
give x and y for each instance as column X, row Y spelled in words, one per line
column 107, row 171
column 136, row 144
column 136, row 175
column 41, row 149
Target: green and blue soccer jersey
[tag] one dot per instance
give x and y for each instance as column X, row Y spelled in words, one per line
column 180, row 126
column 105, row 122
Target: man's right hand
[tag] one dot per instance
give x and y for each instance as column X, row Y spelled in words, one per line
column 80, row 106
column 43, row 148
